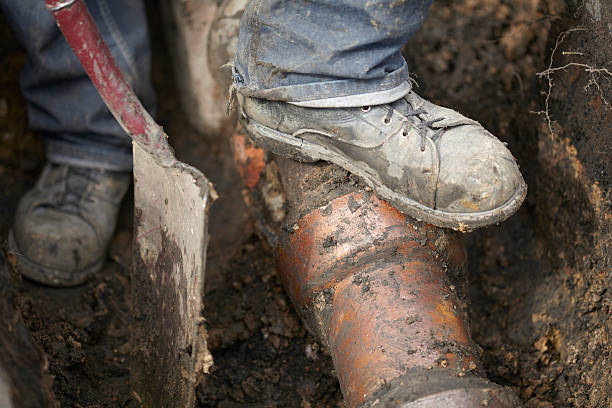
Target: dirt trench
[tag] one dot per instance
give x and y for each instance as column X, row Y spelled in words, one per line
column 539, row 283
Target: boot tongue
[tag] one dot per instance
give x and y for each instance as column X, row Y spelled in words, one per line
column 77, row 181
column 405, row 107
column 449, row 117
column 411, row 111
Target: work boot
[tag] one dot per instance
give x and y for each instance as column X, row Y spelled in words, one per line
column 429, row 162
column 64, row 225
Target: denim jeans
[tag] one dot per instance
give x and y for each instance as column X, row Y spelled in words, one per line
column 326, row 53
column 321, row 53
column 61, row 101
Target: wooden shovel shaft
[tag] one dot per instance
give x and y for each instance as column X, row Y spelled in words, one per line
column 81, row 33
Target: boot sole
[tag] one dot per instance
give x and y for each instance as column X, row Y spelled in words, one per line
column 50, row 276
column 286, row 145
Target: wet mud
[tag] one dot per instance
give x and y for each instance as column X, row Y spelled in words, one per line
column 539, row 298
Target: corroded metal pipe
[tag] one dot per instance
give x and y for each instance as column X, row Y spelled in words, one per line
column 384, row 293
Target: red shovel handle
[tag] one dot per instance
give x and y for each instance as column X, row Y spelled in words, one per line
column 79, row 29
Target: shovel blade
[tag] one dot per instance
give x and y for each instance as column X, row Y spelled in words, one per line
column 169, row 337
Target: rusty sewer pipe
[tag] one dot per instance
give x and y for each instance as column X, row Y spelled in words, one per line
column 383, row 292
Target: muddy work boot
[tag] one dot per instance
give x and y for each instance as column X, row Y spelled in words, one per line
column 64, row 225
column 429, row 162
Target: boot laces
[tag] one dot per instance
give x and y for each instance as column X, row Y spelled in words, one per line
column 422, row 126
column 71, row 188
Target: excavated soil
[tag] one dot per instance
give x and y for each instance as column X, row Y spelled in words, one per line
column 540, row 304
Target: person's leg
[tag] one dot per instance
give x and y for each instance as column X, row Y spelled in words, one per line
column 325, row 53
column 63, row 226
column 325, row 80
column 61, row 101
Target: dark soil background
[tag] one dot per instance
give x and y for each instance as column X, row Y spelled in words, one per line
column 539, row 282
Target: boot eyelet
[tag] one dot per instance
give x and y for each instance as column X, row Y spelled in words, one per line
column 366, row 109
column 386, row 121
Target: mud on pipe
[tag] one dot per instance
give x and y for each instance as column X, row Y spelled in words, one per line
column 384, row 293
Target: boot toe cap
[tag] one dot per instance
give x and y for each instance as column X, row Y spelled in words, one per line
column 57, row 241
column 477, row 174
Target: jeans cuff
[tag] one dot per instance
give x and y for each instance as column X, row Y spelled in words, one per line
column 331, row 93
column 363, row 99
column 119, row 159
